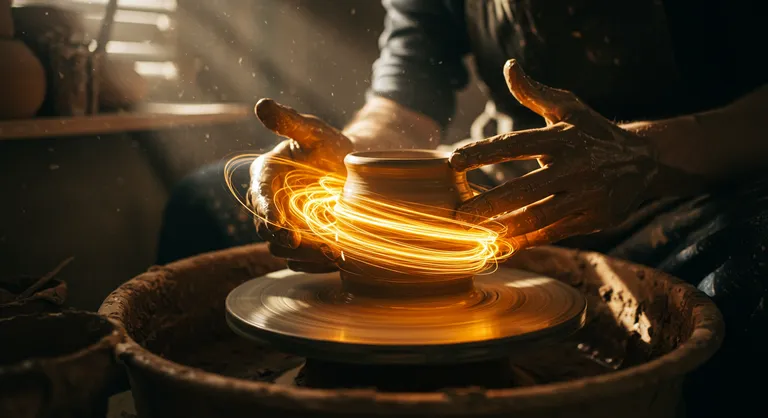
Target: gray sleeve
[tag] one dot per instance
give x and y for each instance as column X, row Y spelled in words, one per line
column 422, row 48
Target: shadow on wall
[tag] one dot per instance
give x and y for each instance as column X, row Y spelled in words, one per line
column 100, row 198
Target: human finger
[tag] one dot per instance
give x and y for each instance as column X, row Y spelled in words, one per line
column 539, row 215
column 520, row 145
column 267, row 175
column 306, row 130
column 552, row 104
column 304, row 252
column 557, row 231
column 515, row 194
column 310, row 267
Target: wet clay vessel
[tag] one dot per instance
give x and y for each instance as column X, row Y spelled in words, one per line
column 370, row 313
column 421, row 180
column 184, row 361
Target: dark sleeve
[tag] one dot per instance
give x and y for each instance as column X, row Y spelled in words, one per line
column 421, row 64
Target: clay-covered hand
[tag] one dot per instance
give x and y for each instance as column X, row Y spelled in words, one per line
column 593, row 173
column 311, row 142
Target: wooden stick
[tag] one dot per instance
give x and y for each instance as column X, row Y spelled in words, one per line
column 105, row 32
column 43, row 280
column 155, row 116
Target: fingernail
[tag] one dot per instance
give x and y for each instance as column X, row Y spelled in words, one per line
column 512, row 65
column 266, row 111
column 458, row 161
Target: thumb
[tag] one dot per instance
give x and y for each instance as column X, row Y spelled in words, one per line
column 307, row 130
column 552, row 104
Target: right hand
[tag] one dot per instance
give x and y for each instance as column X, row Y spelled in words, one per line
column 312, row 142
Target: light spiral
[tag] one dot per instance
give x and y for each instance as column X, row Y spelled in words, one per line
column 379, row 233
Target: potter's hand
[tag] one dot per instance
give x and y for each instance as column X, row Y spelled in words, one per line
column 593, row 174
column 312, row 142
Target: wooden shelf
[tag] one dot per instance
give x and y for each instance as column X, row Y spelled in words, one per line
column 149, row 117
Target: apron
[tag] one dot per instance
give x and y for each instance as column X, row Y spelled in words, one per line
column 617, row 56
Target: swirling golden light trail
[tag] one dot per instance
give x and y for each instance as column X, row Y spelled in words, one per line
column 383, row 234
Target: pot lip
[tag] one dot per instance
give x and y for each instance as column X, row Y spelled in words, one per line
column 704, row 341
column 397, row 158
column 107, row 342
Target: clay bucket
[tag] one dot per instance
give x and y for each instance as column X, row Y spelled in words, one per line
column 58, row 365
column 183, row 361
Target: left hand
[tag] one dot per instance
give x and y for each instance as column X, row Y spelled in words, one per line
column 593, row 173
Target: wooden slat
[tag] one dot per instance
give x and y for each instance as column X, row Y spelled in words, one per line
column 100, row 5
column 139, row 51
column 128, row 31
column 149, row 117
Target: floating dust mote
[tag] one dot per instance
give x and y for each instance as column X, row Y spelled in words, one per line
column 419, row 295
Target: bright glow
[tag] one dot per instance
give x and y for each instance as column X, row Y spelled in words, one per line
column 134, row 48
column 382, row 234
column 169, row 5
column 160, row 20
column 166, row 69
column 530, row 282
column 164, row 5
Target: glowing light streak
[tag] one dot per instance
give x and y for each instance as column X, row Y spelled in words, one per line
column 378, row 233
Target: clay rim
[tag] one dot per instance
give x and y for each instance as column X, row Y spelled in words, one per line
column 417, row 158
column 705, row 340
column 109, row 341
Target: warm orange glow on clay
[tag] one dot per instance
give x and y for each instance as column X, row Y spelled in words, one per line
column 379, row 233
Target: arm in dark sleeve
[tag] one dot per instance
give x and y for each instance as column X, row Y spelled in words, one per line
column 421, row 64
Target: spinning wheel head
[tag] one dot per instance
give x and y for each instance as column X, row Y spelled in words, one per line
column 312, row 316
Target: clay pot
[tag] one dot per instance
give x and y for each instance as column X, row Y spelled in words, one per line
column 36, row 22
column 6, row 19
column 419, row 179
column 184, row 361
column 57, row 365
column 22, row 81
column 58, row 38
column 22, row 78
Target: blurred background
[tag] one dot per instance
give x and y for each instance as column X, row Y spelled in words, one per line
column 99, row 197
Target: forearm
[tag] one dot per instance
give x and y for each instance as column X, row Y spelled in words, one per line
column 415, row 79
column 421, row 62
column 713, row 147
column 384, row 124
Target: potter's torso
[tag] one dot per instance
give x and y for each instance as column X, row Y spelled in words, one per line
column 630, row 59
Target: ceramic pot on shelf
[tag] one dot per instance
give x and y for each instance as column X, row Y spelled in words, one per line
column 22, row 78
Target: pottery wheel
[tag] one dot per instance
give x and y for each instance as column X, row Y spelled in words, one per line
column 309, row 315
